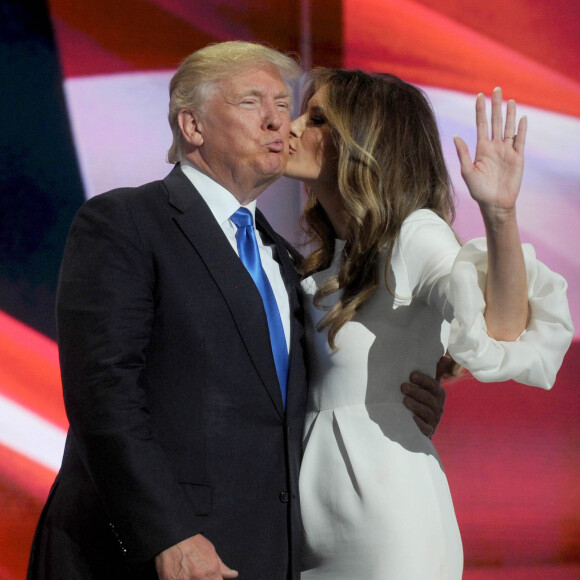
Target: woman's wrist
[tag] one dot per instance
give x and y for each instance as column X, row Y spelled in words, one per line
column 496, row 218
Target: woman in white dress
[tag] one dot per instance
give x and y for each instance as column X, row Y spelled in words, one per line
column 388, row 290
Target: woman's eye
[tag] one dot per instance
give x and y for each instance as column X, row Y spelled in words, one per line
column 317, row 120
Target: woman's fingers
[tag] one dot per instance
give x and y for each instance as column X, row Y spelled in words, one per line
column 481, row 118
column 510, row 120
column 462, row 153
column 496, row 114
column 520, row 141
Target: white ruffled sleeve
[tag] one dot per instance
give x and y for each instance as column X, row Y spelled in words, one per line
column 536, row 356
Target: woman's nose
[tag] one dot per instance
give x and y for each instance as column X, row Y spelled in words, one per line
column 297, row 126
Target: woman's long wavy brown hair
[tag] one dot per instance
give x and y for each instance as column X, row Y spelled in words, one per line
column 390, row 163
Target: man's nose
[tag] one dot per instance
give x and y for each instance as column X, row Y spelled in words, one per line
column 273, row 117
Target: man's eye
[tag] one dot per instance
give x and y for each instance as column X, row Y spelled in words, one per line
column 283, row 105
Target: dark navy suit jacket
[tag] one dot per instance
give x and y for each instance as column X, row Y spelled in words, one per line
column 176, row 419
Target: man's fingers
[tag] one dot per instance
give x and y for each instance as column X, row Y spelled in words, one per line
column 425, row 397
column 192, row 558
column 426, row 382
column 419, row 393
column 444, row 367
column 423, row 410
column 425, row 428
column 228, row 572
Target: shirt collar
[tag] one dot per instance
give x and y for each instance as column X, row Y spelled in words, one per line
column 220, row 201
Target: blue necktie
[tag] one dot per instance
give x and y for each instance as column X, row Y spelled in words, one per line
column 250, row 256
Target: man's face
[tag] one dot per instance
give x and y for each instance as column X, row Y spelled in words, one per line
column 245, row 126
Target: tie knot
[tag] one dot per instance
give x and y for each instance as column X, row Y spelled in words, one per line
column 242, row 217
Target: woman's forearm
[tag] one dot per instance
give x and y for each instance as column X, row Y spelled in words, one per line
column 506, row 290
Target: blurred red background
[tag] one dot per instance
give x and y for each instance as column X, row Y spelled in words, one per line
column 510, row 452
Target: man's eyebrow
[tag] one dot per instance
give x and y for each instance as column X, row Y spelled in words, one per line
column 261, row 93
column 248, row 93
column 284, row 95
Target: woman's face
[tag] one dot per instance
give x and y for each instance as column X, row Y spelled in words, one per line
column 313, row 157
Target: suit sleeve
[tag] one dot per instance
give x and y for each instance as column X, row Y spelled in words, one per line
column 105, row 310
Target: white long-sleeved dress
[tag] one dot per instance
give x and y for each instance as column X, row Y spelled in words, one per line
column 375, row 500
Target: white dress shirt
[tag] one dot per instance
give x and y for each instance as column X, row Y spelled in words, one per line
column 223, row 205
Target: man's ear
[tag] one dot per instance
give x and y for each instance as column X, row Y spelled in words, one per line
column 191, row 127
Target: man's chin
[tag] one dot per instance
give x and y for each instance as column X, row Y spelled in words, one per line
column 269, row 179
column 273, row 172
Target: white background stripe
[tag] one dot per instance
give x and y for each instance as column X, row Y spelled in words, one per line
column 31, row 435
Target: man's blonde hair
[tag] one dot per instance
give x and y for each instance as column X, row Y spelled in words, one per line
column 193, row 83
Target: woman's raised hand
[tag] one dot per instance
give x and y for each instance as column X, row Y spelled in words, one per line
column 495, row 176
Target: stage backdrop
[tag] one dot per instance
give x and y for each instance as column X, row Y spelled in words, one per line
column 83, row 88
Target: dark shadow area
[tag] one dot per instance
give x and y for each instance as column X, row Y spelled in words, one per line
column 414, row 332
column 40, row 183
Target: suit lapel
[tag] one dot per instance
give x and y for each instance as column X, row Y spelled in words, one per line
column 198, row 224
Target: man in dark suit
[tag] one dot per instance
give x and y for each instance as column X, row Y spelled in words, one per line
column 184, row 445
